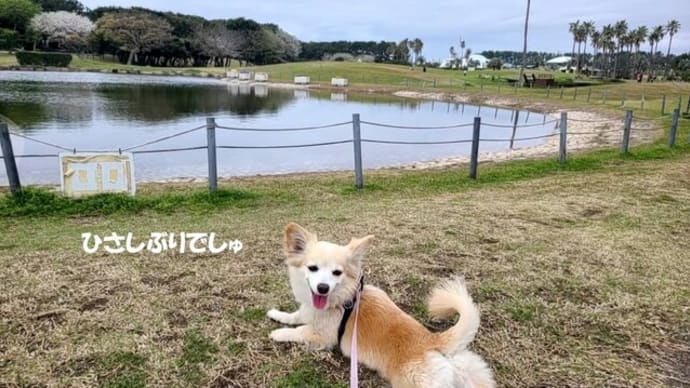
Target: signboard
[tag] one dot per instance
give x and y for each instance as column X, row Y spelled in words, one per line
column 86, row 173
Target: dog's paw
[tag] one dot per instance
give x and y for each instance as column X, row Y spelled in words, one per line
column 276, row 315
column 283, row 335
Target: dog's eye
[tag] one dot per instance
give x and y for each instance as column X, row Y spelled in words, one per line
column 313, row 268
column 337, row 272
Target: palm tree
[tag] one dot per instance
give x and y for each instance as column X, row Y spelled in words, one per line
column 417, row 46
column 654, row 38
column 620, row 29
column 607, row 45
column 524, row 46
column 573, row 28
column 596, row 44
column 671, row 28
column 588, row 28
column 639, row 36
column 580, row 36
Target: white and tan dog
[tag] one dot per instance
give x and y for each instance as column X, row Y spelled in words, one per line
column 325, row 277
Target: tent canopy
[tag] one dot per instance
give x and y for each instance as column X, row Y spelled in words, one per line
column 562, row 60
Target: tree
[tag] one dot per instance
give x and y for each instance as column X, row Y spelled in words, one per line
column 654, row 38
column 620, row 30
column 574, row 28
column 639, row 36
column 134, row 31
column 416, row 46
column 453, row 56
column 62, row 27
column 587, row 30
column 401, row 54
column 495, row 63
column 218, row 43
column 15, row 14
column 73, row 6
column 671, row 28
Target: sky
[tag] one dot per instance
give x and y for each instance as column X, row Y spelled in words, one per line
column 489, row 25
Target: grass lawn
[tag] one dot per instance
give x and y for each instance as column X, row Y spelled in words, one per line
column 580, row 270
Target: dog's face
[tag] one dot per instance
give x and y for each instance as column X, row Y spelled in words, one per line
column 330, row 271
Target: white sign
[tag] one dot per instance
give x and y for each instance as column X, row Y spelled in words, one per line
column 93, row 173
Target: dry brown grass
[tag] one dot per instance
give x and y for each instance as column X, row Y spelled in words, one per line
column 582, row 279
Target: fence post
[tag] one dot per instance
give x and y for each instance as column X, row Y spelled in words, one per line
column 589, row 94
column 499, row 88
column 548, row 91
column 604, row 95
column 357, row 145
column 663, row 104
column 687, row 108
column 561, row 92
column 434, row 82
column 623, row 99
column 642, row 102
column 211, row 147
column 574, row 93
column 564, row 138
column 674, row 128
column 10, row 163
column 474, row 156
column 626, row 131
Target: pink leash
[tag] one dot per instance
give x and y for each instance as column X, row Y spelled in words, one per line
column 354, row 375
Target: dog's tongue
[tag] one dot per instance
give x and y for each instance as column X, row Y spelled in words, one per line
column 319, row 301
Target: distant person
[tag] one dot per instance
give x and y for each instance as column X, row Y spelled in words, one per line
column 424, row 68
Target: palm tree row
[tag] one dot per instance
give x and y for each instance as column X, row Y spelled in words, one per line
column 613, row 40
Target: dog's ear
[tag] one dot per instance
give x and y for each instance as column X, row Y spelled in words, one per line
column 359, row 246
column 296, row 239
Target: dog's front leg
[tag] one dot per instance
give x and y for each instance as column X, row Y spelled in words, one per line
column 303, row 334
column 295, row 318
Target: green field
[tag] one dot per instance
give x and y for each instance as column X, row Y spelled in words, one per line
column 580, row 270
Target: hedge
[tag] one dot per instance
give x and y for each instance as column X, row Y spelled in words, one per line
column 33, row 58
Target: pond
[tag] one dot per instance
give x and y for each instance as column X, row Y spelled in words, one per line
column 95, row 111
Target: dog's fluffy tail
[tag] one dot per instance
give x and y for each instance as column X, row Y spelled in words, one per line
column 448, row 299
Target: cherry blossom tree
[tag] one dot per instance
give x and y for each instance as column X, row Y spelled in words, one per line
column 68, row 29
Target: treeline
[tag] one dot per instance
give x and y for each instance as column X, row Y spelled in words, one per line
column 144, row 37
column 316, row 51
column 141, row 36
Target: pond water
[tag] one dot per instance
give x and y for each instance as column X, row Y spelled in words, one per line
column 93, row 111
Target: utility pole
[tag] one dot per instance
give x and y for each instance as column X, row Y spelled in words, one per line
column 524, row 47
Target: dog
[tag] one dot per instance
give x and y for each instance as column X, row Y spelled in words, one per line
column 325, row 279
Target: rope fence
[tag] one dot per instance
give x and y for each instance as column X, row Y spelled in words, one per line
column 284, row 129
column 560, row 129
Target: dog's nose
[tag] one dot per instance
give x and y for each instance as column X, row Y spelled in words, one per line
column 322, row 288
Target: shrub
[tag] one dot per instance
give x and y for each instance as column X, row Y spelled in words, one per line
column 33, row 58
column 8, row 39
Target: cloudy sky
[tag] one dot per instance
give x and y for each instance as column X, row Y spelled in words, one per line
column 485, row 25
